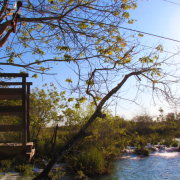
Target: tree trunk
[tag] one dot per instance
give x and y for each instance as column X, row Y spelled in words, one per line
column 53, row 140
column 66, row 148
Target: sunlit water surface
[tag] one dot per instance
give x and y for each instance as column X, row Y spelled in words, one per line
column 159, row 165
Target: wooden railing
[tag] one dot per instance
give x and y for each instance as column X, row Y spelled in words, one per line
column 23, row 94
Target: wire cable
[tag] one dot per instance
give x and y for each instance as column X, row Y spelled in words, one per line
column 148, row 34
column 163, row 50
column 171, row 2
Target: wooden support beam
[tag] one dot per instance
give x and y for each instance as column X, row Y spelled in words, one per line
column 28, row 113
column 10, row 91
column 13, row 75
column 16, row 127
column 10, row 110
column 10, row 97
column 14, row 83
column 24, row 114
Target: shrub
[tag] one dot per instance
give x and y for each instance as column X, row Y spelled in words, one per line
column 161, row 143
column 43, row 147
column 5, row 165
column 90, row 161
column 146, row 152
column 167, row 142
column 40, row 163
column 19, row 163
column 174, row 144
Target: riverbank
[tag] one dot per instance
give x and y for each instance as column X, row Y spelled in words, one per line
column 96, row 154
column 129, row 166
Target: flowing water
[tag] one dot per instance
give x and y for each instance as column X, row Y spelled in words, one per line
column 159, row 165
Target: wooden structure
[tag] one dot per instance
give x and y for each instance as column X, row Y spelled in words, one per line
column 23, row 93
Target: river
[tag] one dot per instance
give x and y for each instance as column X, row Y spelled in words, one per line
column 159, row 165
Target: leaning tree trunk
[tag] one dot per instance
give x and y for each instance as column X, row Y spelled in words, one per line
column 44, row 175
column 66, row 148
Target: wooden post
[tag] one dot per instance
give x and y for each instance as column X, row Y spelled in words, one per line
column 28, row 112
column 24, row 116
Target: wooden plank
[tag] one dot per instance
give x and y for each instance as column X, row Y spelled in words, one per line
column 10, row 97
column 29, row 83
column 14, row 83
column 10, row 110
column 5, row 128
column 10, row 144
column 30, row 144
column 28, row 113
column 30, row 154
column 24, row 114
column 13, row 75
column 9, row 150
column 10, row 91
column 10, row 113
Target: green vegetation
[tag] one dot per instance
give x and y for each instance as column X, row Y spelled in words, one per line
column 105, row 140
column 174, row 144
column 19, row 164
column 90, row 161
column 95, row 153
column 86, row 36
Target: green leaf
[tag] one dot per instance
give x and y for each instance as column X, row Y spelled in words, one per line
column 140, row 35
column 35, row 75
column 22, row 72
column 91, row 82
column 131, row 21
column 82, row 99
column 70, row 99
column 69, row 80
column 98, row 98
column 126, row 15
column 160, row 48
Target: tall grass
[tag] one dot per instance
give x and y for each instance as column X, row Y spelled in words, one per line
column 90, row 161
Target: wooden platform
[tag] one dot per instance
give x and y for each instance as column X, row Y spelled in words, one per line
column 23, row 110
column 12, row 149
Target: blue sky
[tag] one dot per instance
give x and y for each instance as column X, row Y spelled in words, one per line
column 163, row 19
column 154, row 16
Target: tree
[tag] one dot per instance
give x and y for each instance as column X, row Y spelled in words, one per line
column 170, row 117
column 86, row 36
column 161, row 116
column 143, row 118
column 45, row 106
column 65, row 30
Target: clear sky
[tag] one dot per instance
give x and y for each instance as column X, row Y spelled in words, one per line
column 160, row 18
column 157, row 17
